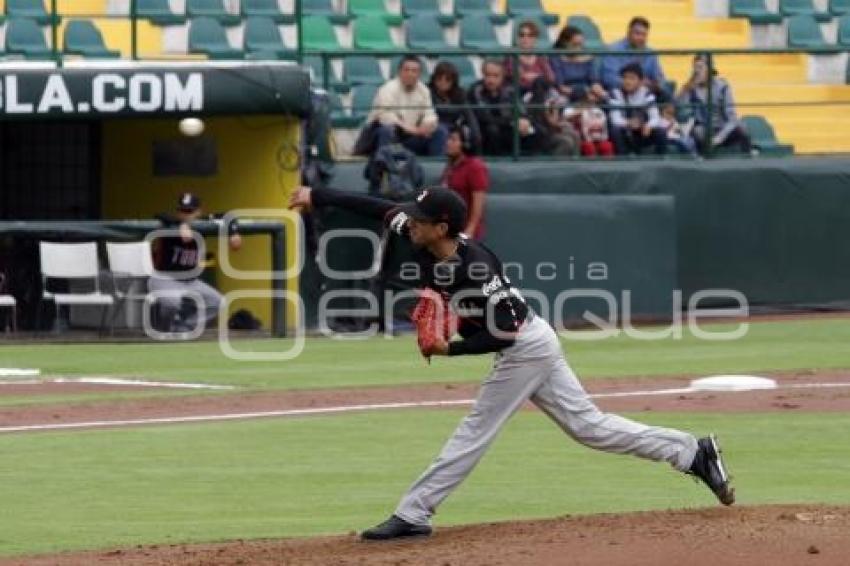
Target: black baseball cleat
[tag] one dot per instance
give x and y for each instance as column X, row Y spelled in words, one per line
column 395, row 527
column 708, row 466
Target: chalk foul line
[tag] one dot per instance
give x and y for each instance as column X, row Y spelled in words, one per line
column 354, row 408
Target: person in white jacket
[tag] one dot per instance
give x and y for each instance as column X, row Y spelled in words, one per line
column 403, row 112
column 635, row 119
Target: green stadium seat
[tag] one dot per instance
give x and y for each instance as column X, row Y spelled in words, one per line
column 804, row 32
column 411, row 8
column 839, row 7
column 318, row 33
column 464, row 8
column 266, row 9
column 362, row 70
column 764, row 138
column 372, row 32
column 465, row 70
column 754, row 10
column 315, row 65
column 844, row 30
column 802, row 8
column 325, row 9
column 83, row 38
column 424, row 31
column 519, row 9
column 372, row 9
column 340, row 117
column 212, row 9
column 476, row 32
column 158, row 12
column 207, row 36
column 24, row 37
column 32, row 9
column 592, row 37
column 262, row 36
column 362, row 98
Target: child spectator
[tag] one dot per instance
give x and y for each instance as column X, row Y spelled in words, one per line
column 635, row 118
column 592, row 124
column 678, row 134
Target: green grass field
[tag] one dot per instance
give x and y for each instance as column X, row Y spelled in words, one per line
column 334, row 474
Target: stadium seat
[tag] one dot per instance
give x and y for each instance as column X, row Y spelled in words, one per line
column 476, row 32
column 464, row 8
column 411, row 8
column 316, row 67
column 372, row 32
column 754, row 10
column 266, row 9
column 844, row 31
column 212, row 9
column 325, row 9
column 32, row 9
column 804, row 32
column 362, row 70
column 262, row 36
column 424, row 31
column 24, row 37
column 519, row 9
column 83, row 38
column 340, row 117
column 764, row 138
column 318, row 33
column 158, row 12
column 362, row 98
column 839, row 7
column 802, row 8
column 465, row 70
column 373, row 9
column 206, row 35
column 592, row 37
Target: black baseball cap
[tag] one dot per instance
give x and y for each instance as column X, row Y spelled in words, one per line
column 188, row 202
column 437, row 204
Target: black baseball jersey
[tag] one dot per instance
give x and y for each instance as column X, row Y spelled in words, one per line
column 490, row 309
column 174, row 254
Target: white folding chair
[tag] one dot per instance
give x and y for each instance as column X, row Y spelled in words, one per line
column 72, row 262
column 129, row 262
column 8, row 302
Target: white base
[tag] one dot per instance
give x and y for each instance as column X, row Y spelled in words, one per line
column 19, row 372
column 732, row 383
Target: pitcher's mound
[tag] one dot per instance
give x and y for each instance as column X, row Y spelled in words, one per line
column 775, row 535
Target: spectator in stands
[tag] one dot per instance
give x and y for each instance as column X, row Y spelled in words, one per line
column 678, row 134
column 403, row 112
column 467, row 175
column 726, row 128
column 635, row 119
column 591, row 123
column 576, row 74
column 492, row 100
column 176, row 257
column 531, row 67
column 450, row 102
column 631, row 46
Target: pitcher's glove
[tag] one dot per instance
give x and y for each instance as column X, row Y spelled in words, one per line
column 434, row 320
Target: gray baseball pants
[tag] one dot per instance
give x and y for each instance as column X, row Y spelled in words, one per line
column 534, row 368
column 174, row 290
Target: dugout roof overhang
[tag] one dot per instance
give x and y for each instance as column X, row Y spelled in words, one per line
column 109, row 89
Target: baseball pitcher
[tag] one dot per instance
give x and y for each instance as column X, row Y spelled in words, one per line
column 492, row 316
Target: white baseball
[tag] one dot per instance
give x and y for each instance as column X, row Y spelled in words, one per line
column 191, row 127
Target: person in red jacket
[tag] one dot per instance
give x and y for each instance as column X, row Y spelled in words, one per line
column 467, row 175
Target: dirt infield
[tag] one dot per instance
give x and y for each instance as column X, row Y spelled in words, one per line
column 780, row 535
column 789, row 397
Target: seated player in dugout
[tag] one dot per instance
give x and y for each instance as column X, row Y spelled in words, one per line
column 176, row 258
column 529, row 364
